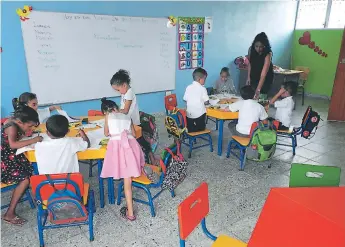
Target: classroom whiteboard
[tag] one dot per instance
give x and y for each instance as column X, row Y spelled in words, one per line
column 72, row 57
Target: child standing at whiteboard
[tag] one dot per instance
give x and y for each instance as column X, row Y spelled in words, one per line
column 121, row 82
column 30, row 99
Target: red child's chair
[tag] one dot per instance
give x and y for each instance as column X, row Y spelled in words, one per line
column 43, row 188
column 193, row 211
column 93, row 113
column 170, row 103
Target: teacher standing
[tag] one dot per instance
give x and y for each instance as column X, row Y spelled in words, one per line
column 260, row 69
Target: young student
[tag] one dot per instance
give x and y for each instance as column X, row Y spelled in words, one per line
column 250, row 111
column 59, row 153
column 121, row 82
column 285, row 105
column 16, row 168
column 196, row 97
column 224, row 83
column 30, row 99
column 124, row 157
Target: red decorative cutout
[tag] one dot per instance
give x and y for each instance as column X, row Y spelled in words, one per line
column 306, row 40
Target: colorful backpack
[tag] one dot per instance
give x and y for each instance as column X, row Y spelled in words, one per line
column 263, row 143
column 149, row 129
column 176, row 168
column 64, row 206
column 174, row 123
column 310, row 122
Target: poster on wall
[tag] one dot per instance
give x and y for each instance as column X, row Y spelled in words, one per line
column 191, row 42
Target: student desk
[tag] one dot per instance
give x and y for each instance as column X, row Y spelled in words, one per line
column 279, row 78
column 301, row 217
column 221, row 116
column 89, row 154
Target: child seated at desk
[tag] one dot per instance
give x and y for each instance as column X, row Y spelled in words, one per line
column 224, row 83
column 16, row 169
column 196, row 97
column 250, row 111
column 285, row 105
column 59, row 153
column 30, row 99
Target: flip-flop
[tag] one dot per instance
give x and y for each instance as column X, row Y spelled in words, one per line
column 17, row 221
column 124, row 214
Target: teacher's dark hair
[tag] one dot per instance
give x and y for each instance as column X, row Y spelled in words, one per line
column 262, row 38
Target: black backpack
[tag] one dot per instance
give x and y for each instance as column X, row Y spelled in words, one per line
column 310, row 122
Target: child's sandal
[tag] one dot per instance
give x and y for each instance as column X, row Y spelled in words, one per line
column 124, row 214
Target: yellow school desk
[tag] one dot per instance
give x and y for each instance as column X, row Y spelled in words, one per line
column 220, row 117
column 89, row 154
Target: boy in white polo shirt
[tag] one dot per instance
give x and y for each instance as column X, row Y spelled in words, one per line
column 285, row 105
column 59, row 153
column 196, row 98
column 250, row 111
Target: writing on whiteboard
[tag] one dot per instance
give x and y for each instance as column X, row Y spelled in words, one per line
column 82, row 51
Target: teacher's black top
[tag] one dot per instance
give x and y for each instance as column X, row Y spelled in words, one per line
column 256, row 65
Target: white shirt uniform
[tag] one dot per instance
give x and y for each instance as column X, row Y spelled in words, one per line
column 117, row 123
column 250, row 111
column 195, row 96
column 43, row 114
column 284, row 110
column 59, row 155
column 134, row 109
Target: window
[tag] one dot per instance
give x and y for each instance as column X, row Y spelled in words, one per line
column 316, row 14
column 337, row 14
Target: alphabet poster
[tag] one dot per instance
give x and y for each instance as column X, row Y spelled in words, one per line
column 191, row 42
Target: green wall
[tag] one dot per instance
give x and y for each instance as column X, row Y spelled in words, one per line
column 322, row 70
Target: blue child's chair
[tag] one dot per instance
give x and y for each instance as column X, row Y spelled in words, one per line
column 43, row 187
column 25, row 197
column 145, row 184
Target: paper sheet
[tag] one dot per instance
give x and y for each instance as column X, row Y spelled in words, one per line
column 95, row 136
column 32, row 146
column 70, row 119
column 99, row 123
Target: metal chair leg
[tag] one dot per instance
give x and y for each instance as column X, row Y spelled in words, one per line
column 303, row 96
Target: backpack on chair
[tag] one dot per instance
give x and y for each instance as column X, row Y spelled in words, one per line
column 263, row 143
column 176, row 168
column 149, row 129
column 174, row 124
column 64, row 206
column 310, row 122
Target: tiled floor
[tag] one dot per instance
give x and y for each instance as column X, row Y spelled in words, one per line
column 236, row 197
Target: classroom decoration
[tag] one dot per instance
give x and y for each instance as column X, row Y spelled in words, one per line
column 68, row 53
column 208, row 24
column 191, row 42
column 306, row 40
column 171, row 21
column 242, row 62
column 24, row 13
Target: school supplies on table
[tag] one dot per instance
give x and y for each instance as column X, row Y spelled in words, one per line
column 104, row 141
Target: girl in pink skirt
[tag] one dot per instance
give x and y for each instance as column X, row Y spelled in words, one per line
column 124, row 157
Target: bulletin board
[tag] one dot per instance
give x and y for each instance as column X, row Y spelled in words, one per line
column 191, row 42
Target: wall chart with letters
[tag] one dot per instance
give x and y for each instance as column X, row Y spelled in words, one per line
column 191, row 42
